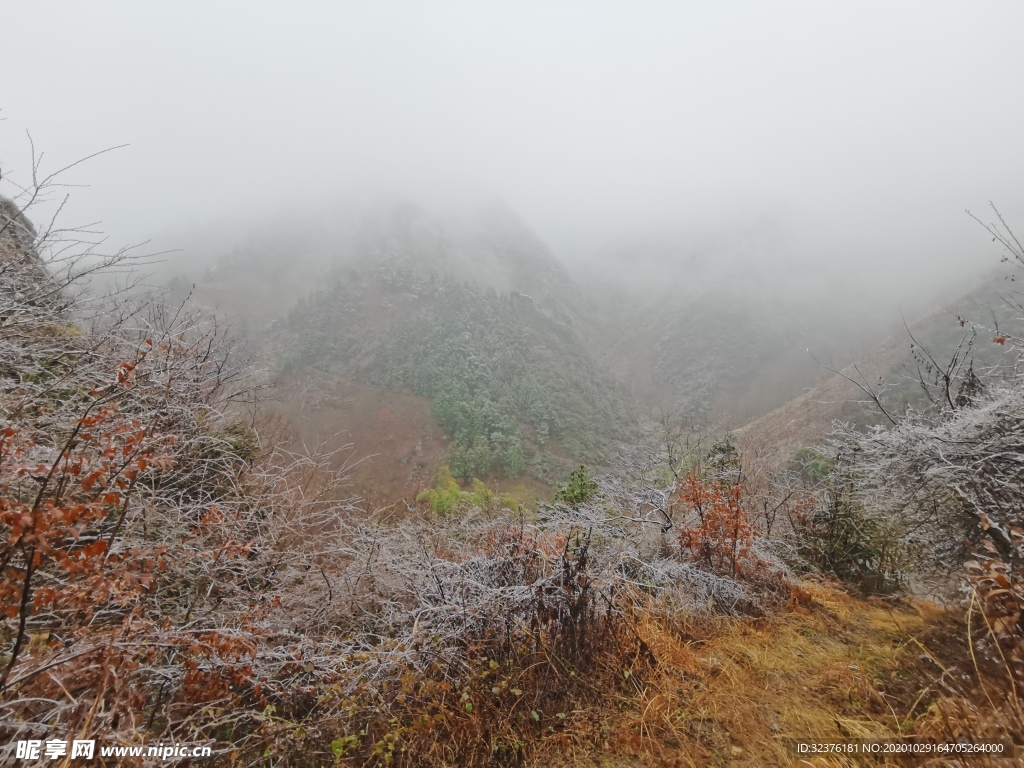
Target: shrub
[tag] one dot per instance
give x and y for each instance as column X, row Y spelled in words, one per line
column 446, row 496
column 813, row 466
column 722, row 460
column 836, row 535
column 581, row 488
column 723, row 541
column 60, row 512
column 997, row 581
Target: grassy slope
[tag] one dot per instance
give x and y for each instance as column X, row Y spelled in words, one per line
column 731, row 692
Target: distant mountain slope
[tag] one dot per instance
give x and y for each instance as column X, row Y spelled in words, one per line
column 892, row 368
column 723, row 322
column 528, row 368
column 260, row 271
column 471, row 311
column 490, row 246
column 510, row 383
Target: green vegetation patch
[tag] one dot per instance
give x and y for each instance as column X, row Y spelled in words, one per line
column 505, row 378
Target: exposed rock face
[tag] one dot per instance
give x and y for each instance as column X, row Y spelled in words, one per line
column 24, row 279
column 16, row 231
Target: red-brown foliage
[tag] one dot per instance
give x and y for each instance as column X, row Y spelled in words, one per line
column 724, row 539
column 54, row 557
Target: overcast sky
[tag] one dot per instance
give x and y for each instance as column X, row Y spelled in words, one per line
column 866, row 128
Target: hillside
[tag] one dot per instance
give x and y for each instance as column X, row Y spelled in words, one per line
column 720, row 321
column 466, row 324
column 524, row 369
column 892, row 369
column 511, row 384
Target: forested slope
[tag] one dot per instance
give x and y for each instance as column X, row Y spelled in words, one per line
column 511, row 384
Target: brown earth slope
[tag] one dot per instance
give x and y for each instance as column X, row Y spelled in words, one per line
column 890, row 366
column 385, row 439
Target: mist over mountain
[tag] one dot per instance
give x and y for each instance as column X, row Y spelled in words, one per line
column 527, row 365
column 408, row 312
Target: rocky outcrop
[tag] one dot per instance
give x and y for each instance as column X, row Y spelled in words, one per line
column 17, row 235
column 24, row 279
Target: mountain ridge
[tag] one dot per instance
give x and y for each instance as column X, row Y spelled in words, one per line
column 565, row 370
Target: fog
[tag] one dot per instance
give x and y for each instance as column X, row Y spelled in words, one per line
column 857, row 134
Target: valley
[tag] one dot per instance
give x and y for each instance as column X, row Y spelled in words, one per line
column 501, row 366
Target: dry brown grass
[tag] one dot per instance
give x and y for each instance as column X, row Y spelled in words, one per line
column 732, row 692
